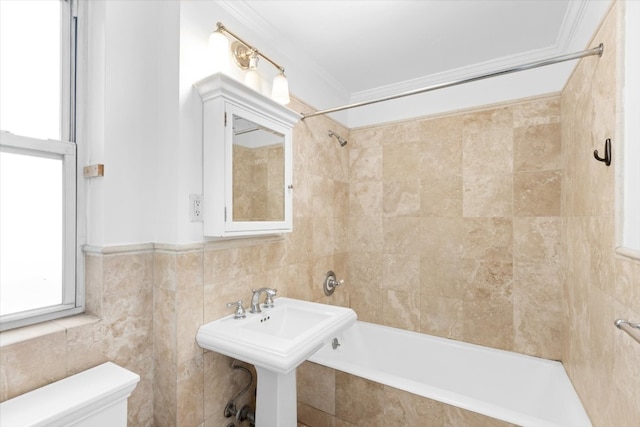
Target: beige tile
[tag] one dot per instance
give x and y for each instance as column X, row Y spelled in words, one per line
column 487, row 195
column 164, row 325
column 487, row 145
column 366, row 234
column 457, row 417
column 33, row 363
column 128, row 318
column 359, row 401
column 365, row 164
column 537, row 332
column 441, row 196
column 140, row 410
column 488, row 281
column 442, row 316
column 368, row 304
column 401, row 310
column 401, row 272
column 309, row 416
column 441, row 147
column 322, row 196
column 488, row 239
column 94, row 283
column 536, row 193
column 316, row 387
column 488, row 323
column 402, row 132
column 221, row 383
column 127, row 272
column 401, row 198
column 400, row 161
column 189, row 272
column 189, row 317
column 164, row 270
column 400, row 235
column 366, row 137
column 407, row 409
column 323, row 237
column 537, row 148
column 442, row 275
column 365, row 199
column 83, row 347
column 441, row 239
column 542, row 111
column 538, row 285
column 536, row 240
column 164, row 393
column 190, row 393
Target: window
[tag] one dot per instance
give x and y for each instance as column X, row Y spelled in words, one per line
column 37, row 162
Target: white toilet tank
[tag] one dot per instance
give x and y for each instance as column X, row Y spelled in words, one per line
column 96, row 397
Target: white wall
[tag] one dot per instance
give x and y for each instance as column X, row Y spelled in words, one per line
column 144, row 115
column 132, row 116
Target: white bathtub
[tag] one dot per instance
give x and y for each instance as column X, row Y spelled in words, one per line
column 512, row 387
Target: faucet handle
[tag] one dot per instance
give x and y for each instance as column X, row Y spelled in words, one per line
column 239, row 312
column 268, row 302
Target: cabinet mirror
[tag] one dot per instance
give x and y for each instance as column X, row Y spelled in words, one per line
column 247, row 165
column 258, row 172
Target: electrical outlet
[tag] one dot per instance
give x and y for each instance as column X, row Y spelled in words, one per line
column 196, row 205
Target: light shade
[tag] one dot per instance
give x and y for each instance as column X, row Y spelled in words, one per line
column 252, row 78
column 280, row 90
column 219, row 52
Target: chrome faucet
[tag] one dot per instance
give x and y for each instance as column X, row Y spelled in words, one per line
column 255, row 299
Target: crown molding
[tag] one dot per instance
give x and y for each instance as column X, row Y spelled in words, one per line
column 579, row 23
column 269, row 36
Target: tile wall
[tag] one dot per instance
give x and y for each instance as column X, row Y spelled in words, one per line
column 454, row 226
column 599, row 286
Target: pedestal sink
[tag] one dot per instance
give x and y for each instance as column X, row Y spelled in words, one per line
column 276, row 341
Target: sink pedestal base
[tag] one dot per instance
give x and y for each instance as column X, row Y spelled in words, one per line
column 276, row 403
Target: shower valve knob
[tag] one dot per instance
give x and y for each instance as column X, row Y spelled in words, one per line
column 330, row 283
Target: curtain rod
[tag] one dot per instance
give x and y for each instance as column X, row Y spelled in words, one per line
column 528, row 66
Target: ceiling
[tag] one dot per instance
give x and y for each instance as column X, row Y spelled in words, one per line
column 372, row 48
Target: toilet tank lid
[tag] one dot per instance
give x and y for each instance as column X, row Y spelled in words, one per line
column 80, row 394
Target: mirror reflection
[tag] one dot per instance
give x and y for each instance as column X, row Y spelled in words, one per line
column 258, row 172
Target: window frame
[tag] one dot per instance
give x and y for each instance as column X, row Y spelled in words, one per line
column 65, row 149
column 628, row 153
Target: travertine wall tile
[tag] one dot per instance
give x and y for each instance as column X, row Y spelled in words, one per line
column 487, row 142
column 401, row 198
column 599, row 286
column 359, row 401
column 536, row 193
column 537, row 148
column 317, row 387
column 487, row 195
column 442, row 316
column 441, row 196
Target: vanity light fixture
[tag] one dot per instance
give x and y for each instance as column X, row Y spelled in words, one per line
column 219, row 51
column 246, row 57
column 252, row 78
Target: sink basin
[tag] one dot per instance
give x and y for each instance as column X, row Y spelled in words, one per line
column 279, row 338
column 276, row 341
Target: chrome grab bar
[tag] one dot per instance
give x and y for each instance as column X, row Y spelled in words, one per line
column 633, row 329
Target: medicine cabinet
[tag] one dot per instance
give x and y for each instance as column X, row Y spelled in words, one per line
column 247, row 167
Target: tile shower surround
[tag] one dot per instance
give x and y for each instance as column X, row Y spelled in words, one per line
column 481, row 226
